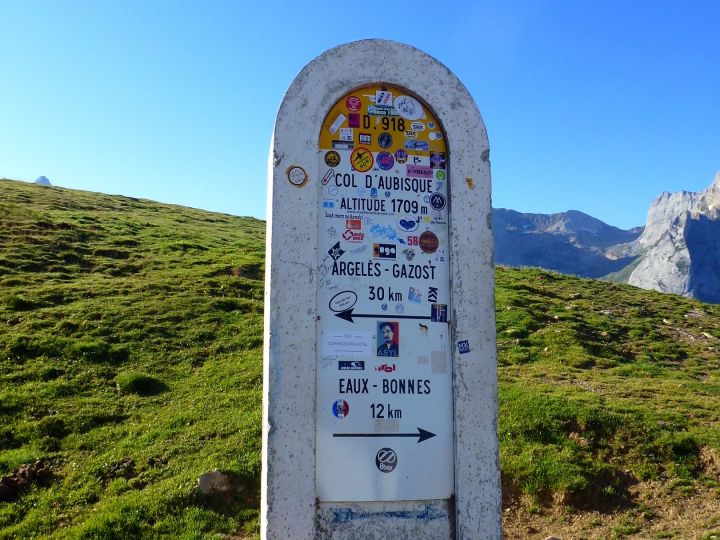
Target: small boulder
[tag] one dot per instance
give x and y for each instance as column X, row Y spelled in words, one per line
column 214, row 482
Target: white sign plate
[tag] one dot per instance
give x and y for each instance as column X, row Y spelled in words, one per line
column 384, row 392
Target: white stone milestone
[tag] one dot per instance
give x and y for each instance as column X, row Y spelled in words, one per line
column 380, row 377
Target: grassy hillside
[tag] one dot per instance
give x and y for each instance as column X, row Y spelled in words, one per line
column 130, row 363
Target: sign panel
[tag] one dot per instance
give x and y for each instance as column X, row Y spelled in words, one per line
column 384, row 375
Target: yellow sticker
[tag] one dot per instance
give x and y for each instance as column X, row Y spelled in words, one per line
column 361, row 159
column 389, row 123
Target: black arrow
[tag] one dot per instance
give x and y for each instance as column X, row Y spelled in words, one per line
column 348, row 315
column 422, row 435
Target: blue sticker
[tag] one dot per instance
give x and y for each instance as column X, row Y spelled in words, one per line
column 437, row 201
column 351, row 365
column 385, row 161
column 414, row 144
column 385, row 140
column 437, row 160
column 388, row 233
column 463, row 347
column 415, row 295
column 341, row 408
column 408, row 225
column 336, row 251
column 438, row 313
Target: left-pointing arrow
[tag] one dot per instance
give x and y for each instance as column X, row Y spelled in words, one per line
column 422, row 435
column 348, row 315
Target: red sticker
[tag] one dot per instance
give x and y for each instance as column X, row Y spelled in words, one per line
column 429, row 242
column 353, row 104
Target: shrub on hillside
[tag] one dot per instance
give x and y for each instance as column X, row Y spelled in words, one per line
column 138, row 383
column 98, row 351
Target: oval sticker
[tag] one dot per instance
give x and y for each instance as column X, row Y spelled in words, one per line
column 343, row 300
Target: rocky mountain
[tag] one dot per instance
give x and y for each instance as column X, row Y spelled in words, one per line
column 679, row 250
column 569, row 242
column 43, row 181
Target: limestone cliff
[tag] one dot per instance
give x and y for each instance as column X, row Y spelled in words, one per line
column 680, row 246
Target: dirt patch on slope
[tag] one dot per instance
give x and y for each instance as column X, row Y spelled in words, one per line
column 661, row 510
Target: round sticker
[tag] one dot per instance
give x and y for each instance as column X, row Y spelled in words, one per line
column 297, row 176
column 437, row 201
column 332, row 158
column 386, row 460
column 440, row 175
column 361, row 159
column 408, row 107
column 341, row 408
column 428, row 242
column 385, row 140
column 353, row 103
column 385, row 161
column 401, row 156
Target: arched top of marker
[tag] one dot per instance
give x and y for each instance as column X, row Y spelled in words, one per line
column 327, row 78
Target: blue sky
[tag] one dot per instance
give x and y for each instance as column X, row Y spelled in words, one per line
column 596, row 107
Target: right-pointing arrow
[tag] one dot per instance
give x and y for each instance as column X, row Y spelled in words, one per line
column 422, row 435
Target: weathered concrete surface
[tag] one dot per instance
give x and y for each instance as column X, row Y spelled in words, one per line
column 360, row 521
column 288, row 493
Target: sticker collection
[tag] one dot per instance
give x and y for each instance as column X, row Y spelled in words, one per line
column 384, row 278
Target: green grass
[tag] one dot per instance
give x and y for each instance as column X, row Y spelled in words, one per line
column 602, row 385
column 131, row 332
column 131, row 362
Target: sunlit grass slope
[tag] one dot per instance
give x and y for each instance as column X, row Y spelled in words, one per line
column 130, row 360
column 130, row 363
column 603, row 386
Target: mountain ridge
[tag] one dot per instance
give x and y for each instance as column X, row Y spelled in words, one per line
column 571, row 242
column 676, row 251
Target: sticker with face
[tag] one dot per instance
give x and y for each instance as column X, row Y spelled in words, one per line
column 388, row 338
